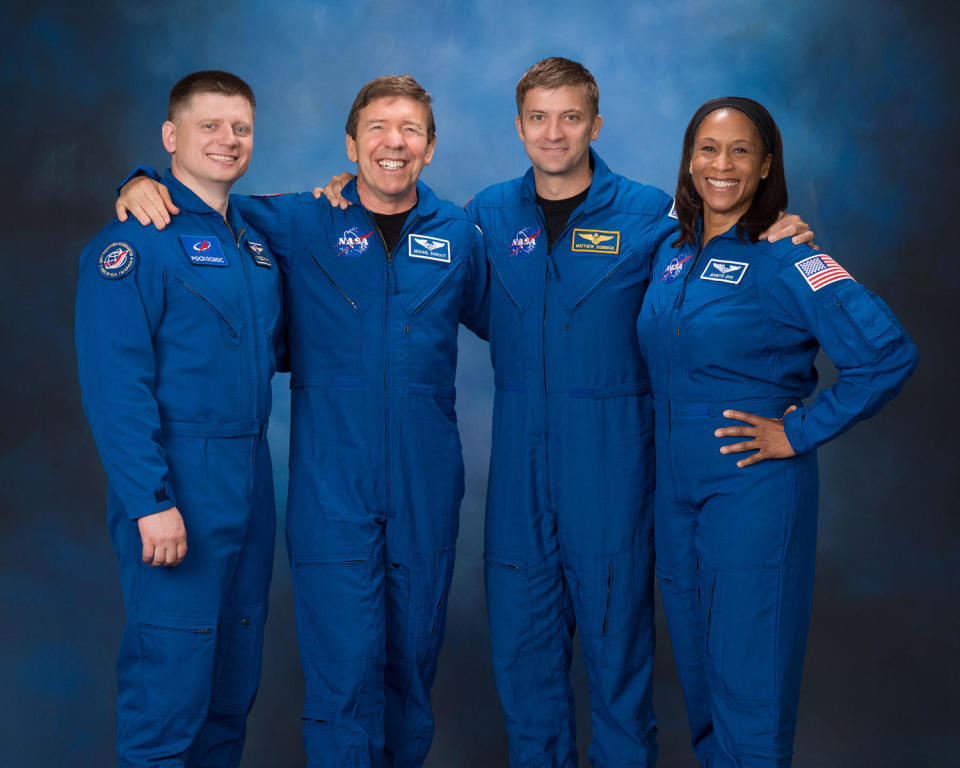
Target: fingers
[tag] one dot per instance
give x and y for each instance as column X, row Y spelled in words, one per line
column 318, row 192
column 747, row 445
column 156, row 211
column 790, row 409
column 148, row 552
column 749, row 418
column 173, row 210
column 121, row 211
column 754, row 459
column 803, row 237
column 736, row 432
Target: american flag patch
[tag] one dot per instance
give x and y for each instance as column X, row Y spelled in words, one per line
column 821, row 270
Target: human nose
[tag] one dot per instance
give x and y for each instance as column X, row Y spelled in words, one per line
column 722, row 161
column 553, row 129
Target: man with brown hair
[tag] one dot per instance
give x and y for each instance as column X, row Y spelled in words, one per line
column 374, row 296
column 178, row 334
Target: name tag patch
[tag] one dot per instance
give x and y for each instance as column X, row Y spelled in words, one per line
column 260, row 256
column 595, row 241
column 426, row 247
column 204, row 250
column 723, row 271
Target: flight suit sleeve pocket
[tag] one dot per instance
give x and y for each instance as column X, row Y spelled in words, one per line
column 869, row 315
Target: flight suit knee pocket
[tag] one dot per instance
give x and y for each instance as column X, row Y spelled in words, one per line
column 338, row 605
column 176, row 668
column 508, row 605
column 239, row 659
column 741, row 632
column 622, row 610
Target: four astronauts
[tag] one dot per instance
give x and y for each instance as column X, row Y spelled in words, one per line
column 361, row 301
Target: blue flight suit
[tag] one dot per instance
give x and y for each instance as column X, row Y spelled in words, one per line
column 737, row 326
column 177, row 336
column 376, row 470
column 569, row 538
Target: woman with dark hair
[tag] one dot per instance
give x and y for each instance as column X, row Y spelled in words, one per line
column 729, row 328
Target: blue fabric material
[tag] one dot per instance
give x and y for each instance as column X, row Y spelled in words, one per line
column 569, row 540
column 738, row 325
column 376, row 471
column 175, row 359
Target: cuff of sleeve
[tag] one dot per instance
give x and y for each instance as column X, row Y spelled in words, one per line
column 793, row 427
column 140, row 170
column 160, row 500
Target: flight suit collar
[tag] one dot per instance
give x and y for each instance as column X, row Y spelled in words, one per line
column 427, row 202
column 603, row 186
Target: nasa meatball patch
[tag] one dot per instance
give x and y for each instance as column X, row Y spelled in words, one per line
column 117, row 260
column 204, row 250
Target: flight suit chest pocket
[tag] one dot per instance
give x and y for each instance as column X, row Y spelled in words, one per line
column 720, row 291
column 599, row 274
column 429, row 287
column 193, row 300
column 264, row 276
column 518, row 275
column 347, row 273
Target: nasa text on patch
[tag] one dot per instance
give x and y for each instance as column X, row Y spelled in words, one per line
column 353, row 244
column 724, row 271
column 117, row 260
column 820, row 270
column 524, row 242
column 204, row 250
column 426, row 247
column 595, row 241
column 260, row 256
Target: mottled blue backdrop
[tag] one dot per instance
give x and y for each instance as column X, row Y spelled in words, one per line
column 865, row 92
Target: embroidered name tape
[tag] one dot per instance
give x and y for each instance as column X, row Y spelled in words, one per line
column 723, row 271
column 204, row 250
column 117, row 260
column 426, row 247
column 595, row 241
column 260, row 256
column 821, row 270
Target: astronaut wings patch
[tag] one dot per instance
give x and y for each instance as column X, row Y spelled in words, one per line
column 430, row 248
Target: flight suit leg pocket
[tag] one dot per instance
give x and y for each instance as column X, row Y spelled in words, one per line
column 339, row 605
column 742, row 631
column 176, row 668
column 623, row 615
column 238, row 663
column 508, row 605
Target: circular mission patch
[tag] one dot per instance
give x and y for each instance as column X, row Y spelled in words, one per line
column 117, row 260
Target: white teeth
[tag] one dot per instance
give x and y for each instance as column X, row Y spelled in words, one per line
column 723, row 183
column 221, row 158
column 391, row 165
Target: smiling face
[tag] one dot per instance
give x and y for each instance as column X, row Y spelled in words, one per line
column 390, row 150
column 556, row 127
column 210, row 141
column 727, row 162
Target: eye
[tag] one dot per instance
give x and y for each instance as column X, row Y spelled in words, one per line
column 536, row 118
column 208, row 126
column 242, row 130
